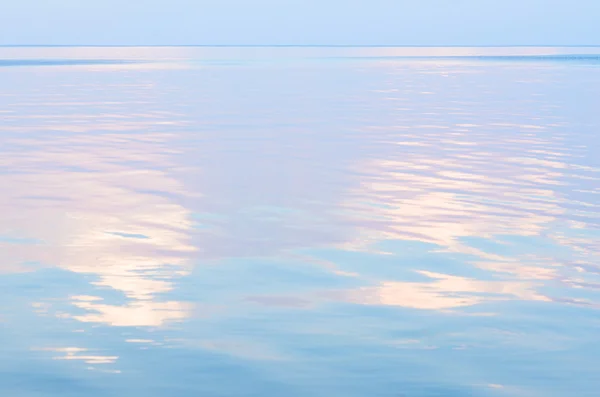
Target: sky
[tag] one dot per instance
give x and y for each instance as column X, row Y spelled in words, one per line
column 300, row 22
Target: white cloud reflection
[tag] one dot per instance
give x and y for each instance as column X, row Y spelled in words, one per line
column 444, row 292
column 97, row 184
column 91, row 193
column 80, row 354
column 452, row 183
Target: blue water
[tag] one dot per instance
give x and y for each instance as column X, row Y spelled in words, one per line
column 402, row 222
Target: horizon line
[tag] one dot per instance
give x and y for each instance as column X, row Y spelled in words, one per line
column 301, row 45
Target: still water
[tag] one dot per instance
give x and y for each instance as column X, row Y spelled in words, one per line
column 352, row 222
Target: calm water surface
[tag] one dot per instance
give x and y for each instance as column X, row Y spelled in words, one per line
column 352, row 222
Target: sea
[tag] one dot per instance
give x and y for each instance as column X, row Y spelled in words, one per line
column 299, row 221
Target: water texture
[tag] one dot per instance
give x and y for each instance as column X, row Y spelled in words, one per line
column 395, row 222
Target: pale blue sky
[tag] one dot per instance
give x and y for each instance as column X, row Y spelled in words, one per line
column 322, row 22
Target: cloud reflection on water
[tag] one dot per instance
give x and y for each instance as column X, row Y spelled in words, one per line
column 86, row 193
column 480, row 178
column 297, row 198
